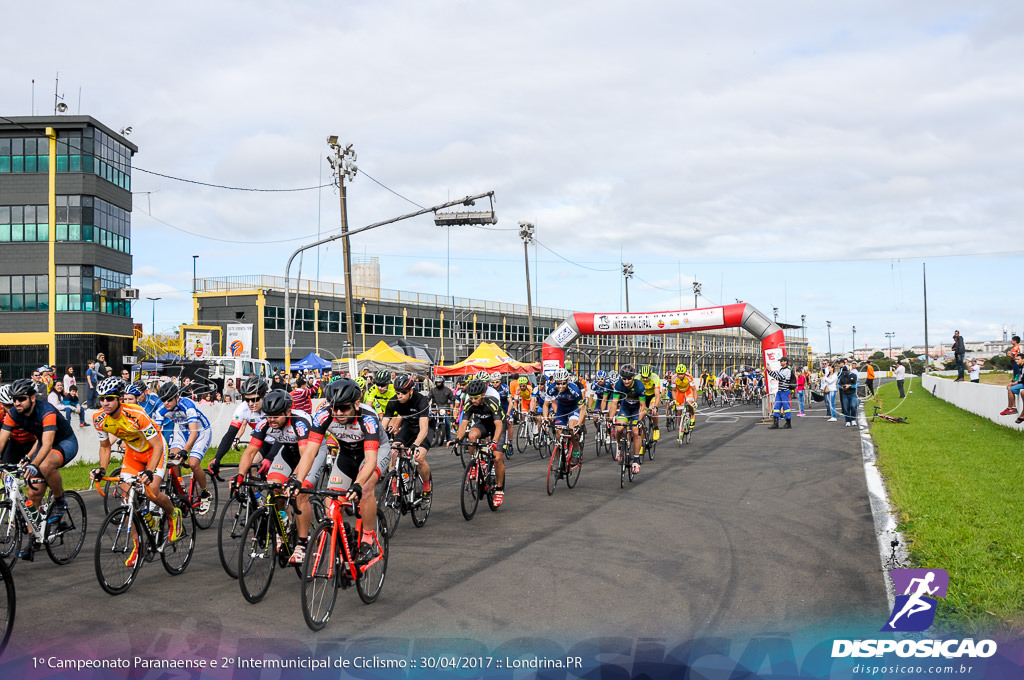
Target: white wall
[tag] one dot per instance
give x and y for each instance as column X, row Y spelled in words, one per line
column 984, row 400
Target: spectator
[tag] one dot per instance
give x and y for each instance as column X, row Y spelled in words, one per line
column 69, row 379
column 56, row 397
column 848, row 394
column 73, row 405
column 110, row 372
column 900, row 373
column 829, row 382
column 959, row 350
column 230, row 393
column 801, row 390
column 870, row 379
column 302, row 396
column 91, row 378
column 126, row 375
column 1013, row 388
column 1012, row 353
column 278, row 381
column 101, row 366
column 975, row 371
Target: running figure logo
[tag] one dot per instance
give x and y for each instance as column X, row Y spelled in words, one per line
column 914, row 610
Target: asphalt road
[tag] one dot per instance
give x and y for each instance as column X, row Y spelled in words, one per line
column 743, row 531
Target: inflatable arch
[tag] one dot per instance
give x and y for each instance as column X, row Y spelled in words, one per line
column 742, row 315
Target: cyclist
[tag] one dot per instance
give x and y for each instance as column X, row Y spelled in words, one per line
column 19, row 438
column 363, row 453
column 521, row 395
column 652, row 395
column 144, row 453
column 570, row 409
column 482, row 417
column 190, row 437
column 381, row 391
column 505, row 401
column 538, row 398
column 627, row 407
column 52, row 445
column 685, row 393
column 407, row 419
column 360, row 382
column 442, row 398
column 253, row 389
column 290, row 428
column 598, row 388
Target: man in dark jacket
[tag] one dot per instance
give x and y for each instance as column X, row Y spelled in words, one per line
column 959, row 350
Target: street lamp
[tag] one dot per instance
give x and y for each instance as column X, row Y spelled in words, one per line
column 775, row 313
column 828, row 324
column 152, row 327
column 627, row 271
column 890, row 335
column 854, row 342
column 696, row 292
column 343, row 163
column 526, row 233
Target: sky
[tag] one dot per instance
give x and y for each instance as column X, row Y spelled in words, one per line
column 819, row 158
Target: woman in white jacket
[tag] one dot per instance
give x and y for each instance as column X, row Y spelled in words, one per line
column 829, row 385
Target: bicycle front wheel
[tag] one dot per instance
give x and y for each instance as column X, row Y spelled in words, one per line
column 522, row 436
column 389, row 500
column 371, row 580
column 7, row 602
column 320, row 577
column 233, row 518
column 554, row 469
column 10, row 532
column 112, row 493
column 599, row 438
column 178, row 554
column 573, row 468
column 204, row 520
column 420, row 503
column 120, row 551
column 470, row 492
column 257, row 555
column 64, row 537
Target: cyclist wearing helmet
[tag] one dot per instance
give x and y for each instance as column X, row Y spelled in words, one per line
column 522, row 391
column 652, row 395
column 191, row 435
column 363, row 453
column 481, row 416
column 19, row 438
column 505, row 402
column 407, row 419
column 627, row 408
column 144, row 452
column 441, row 399
column 248, row 412
column 52, row 446
column 381, row 391
column 290, row 429
column 685, row 393
column 569, row 406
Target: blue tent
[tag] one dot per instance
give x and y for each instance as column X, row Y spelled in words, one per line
column 311, row 362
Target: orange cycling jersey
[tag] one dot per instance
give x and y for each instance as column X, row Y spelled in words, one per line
column 523, row 394
column 132, row 426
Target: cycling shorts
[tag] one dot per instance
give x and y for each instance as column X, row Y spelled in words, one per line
column 648, row 398
column 563, row 419
column 628, row 413
column 288, row 458
column 688, row 396
column 200, row 446
column 136, row 461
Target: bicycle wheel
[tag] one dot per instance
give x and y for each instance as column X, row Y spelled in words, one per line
column 120, row 551
column 320, row 573
column 554, row 469
column 462, row 451
column 233, row 517
column 599, row 438
column 389, row 501
column 204, row 520
column 573, row 468
column 10, row 532
column 522, row 436
column 651, row 446
column 623, row 464
column 420, row 504
column 257, row 555
column 64, row 539
column 470, row 492
column 490, row 488
column 112, row 493
column 7, row 605
column 178, row 554
column 371, row 580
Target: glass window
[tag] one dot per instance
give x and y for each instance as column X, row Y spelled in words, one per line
column 5, row 303
column 5, row 163
column 17, row 303
column 5, row 233
column 30, row 163
column 30, row 232
column 17, row 147
column 5, row 285
column 17, row 232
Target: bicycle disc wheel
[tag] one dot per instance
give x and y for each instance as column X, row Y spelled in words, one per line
column 257, row 555
column 320, row 577
column 64, row 539
column 371, row 580
column 470, row 492
column 204, row 520
column 178, row 554
column 572, row 474
column 389, row 501
column 522, row 438
column 554, row 469
column 10, row 532
column 233, row 517
column 120, row 551
column 420, row 510
column 112, row 494
column 7, row 605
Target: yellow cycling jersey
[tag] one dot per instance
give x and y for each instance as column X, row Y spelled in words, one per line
column 651, row 384
column 132, row 426
column 683, row 381
column 379, row 399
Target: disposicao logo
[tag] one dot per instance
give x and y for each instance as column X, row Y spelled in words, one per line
column 914, row 610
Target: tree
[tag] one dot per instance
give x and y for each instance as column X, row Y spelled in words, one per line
column 877, row 356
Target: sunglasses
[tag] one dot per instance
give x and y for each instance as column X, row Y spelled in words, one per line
column 20, row 399
column 104, row 399
column 251, row 400
column 563, row 382
column 409, row 391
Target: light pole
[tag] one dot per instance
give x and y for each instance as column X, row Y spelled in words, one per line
column 343, row 163
column 854, row 341
column 526, row 233
column 696, row 292
column 890, row 335
column 627, row 271
column 828, row 324
column 775, row 313
column 152, row 327
column 194, row 258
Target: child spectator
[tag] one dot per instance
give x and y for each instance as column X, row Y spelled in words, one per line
column 975, row 371
column 73, row 405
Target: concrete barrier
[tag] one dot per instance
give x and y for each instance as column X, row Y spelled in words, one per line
column 983, row 400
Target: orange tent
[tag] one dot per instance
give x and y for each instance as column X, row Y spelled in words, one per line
column 490, row 358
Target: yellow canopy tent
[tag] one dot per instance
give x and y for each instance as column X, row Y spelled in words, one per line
column 384, row 357
column 487, row 357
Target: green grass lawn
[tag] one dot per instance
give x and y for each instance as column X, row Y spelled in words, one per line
column 955, row 480
column 77, row 476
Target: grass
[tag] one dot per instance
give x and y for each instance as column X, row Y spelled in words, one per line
column 987, row 378
column 76, row 476
column 955, row 480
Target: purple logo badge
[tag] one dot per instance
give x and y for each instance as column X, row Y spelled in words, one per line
column 916, row 590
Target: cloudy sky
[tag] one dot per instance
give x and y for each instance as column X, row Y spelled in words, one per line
column 813, row 157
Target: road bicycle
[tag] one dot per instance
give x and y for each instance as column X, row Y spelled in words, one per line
column 331, row 561
column 648, row 444
column 566, row 462
column 174, row 480
column 231, row 525
column 890, row 419
column 479, row 478
column 671, row 416
column 685, row 428
column 8, row 600
column 401, row 491
column 62, row 538
column 135, row 533
column 624, row 453
column 259, row 550
column 440, row 419
column 602, row 433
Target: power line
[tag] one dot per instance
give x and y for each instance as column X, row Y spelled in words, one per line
column 221, row 186
column 576, row 264
column 224, row 240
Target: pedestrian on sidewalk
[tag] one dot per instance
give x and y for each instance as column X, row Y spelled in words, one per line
column 848, row 394
column 829, row 383
column 900, row 373
column 870, row 379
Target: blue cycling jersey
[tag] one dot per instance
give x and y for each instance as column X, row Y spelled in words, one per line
column 565, row 402
column 184, row 413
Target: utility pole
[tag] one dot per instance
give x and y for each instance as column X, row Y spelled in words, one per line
column 927, row 353
column 828, row 324
column 854, row 343
column 627, row 271
column 343, row 163
column 526, row 233
column 696, row 292
column 890, row 335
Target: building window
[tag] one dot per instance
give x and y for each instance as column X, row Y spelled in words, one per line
column 80, row 289
column 89, row 150
column 29, row 293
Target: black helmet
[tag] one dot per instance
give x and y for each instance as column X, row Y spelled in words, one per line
column 254, row 385
column 23, row 387
column 627, row 371
column 381, row 378
column 277, row 403
column 342, row 393
column 403, row 383
column 439, row 379
column 168, row 391
column 475, row 388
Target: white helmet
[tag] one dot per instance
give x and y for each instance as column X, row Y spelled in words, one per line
column 560, row 375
